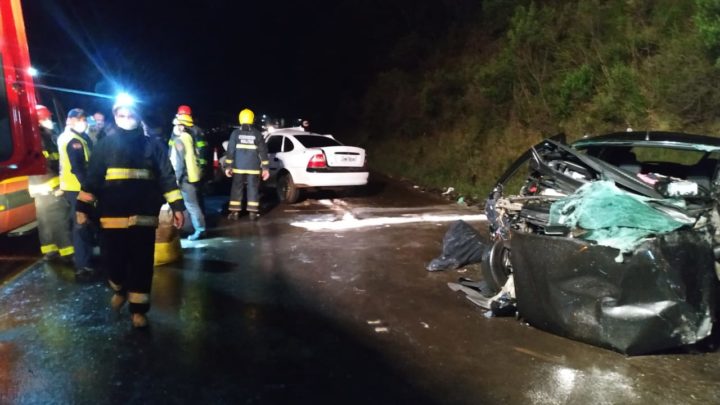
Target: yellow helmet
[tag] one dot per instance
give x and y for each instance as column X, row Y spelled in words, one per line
column 183, row 119
column 246, row 117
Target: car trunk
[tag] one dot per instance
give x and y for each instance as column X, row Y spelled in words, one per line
column 344, row 156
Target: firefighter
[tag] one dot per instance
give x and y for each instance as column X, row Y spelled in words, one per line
column 202, row 151
column 198, row 135
column 187, row 172
column 52, row 209
column 129, row 177
column 247, row 160
column 74, row 150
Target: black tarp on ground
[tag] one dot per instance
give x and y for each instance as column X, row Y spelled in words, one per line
column 662, row 296
column 462, row 245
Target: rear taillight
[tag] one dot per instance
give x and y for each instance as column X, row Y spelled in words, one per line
column 318, row 161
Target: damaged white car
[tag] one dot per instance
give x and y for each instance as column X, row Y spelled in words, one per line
column 612, row 240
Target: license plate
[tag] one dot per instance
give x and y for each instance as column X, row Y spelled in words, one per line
column 348, row 159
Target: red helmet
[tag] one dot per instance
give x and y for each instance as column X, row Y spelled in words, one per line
column 42, row 112
column 184, row 110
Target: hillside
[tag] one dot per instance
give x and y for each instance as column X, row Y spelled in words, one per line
column 456, row 109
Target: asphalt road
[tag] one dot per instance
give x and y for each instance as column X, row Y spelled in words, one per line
column 326, row 301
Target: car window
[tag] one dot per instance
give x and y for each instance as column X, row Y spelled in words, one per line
column 6, row 142
column 288, row 145
column 274, row 144
column 316, row 141
column 685, row 157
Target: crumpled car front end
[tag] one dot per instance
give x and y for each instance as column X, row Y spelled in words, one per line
column 600, row 254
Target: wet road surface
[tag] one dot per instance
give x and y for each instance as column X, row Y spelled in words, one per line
column 272, row 312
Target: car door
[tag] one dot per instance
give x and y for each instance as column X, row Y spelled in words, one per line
column 274, row 146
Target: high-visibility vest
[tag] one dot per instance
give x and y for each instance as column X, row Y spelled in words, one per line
column 191, row 163
column 68, row 181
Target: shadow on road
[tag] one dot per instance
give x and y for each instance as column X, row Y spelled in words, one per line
column 221, row 331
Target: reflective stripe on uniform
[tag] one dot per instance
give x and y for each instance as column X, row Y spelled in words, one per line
column 127, row 222
column 235, row 203
column 172, row 196
column 86, row 197
column 200, row 144
column 118, row 173
column 45, row 249
column 51, row 156
column 46, row 187
column 138, row 298
column 228, row 161
column 253, row 204
column 240, row 171
column 265, row 162
column 245, row 146
column 67, row 251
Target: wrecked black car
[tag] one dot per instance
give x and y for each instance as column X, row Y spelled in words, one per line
column 613, row 240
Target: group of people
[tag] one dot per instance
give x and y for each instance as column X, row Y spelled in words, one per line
column 107, row 183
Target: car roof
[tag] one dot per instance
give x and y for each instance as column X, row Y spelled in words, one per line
column 293, row 131
column 674, row 140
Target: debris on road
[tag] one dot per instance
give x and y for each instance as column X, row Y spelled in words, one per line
column 462, row 245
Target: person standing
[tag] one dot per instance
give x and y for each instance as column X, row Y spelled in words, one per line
column 97, row 123
column 247, row 161
column 52, row 210
column 202, row 152
column 74, row 153
column 187, row 172
column 129, row 177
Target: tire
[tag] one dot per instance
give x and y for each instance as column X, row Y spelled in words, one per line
column 496, row 266
column 287, row 191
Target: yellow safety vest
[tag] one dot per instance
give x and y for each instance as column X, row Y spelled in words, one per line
column 68, row 181
column 191, row 163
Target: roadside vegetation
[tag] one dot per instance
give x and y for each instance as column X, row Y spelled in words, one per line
column 456, row 109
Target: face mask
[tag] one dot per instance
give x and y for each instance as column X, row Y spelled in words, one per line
column 177, row 130
column 127, row 124
column 80, row 127
column 46, row 124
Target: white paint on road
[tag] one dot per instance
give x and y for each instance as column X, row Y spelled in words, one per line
column 349, row 221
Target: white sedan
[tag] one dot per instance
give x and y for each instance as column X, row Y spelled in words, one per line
column 305, row 160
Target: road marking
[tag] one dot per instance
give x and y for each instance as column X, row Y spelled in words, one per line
column 350, row 222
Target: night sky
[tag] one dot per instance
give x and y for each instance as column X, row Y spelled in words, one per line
column 281, row 57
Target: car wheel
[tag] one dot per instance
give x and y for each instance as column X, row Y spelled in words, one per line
column 496, row 266
column 286, row 189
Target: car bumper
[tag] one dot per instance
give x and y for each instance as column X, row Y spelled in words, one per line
column 331, row 179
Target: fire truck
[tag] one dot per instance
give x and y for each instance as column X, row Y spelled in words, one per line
column 20, row 144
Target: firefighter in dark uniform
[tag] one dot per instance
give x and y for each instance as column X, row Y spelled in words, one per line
column 128, row 180
column 52, row 211
column 246, row 161
column 74, row 150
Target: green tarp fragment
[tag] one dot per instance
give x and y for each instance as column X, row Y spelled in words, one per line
column 610, row 216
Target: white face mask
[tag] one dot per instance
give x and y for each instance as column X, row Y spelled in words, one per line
column 80, row 127
column 47, row 124
column 127, row 124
